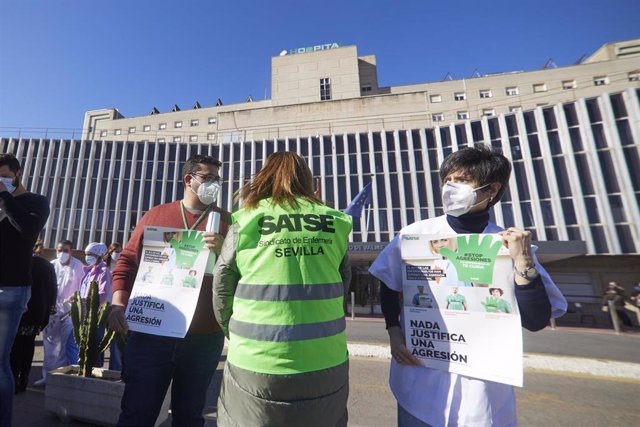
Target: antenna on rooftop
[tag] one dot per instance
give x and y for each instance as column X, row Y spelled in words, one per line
column 580, row 60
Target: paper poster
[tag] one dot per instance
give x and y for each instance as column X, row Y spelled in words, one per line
column 167, row 287
column 459, row 306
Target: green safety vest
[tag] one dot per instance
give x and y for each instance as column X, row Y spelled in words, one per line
column 288, row 315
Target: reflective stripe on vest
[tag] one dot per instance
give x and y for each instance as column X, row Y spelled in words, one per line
column 289, row 292
column 308, row 331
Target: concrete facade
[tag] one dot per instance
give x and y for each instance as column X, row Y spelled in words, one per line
column 295, row 78
column 357, row 104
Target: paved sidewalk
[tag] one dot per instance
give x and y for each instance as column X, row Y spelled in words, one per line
column 563, row 341
column 589, row 353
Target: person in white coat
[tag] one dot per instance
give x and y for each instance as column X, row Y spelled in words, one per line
column 59, row 346
column 473, row 180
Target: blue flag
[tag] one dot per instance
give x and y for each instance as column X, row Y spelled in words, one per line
column 363, row 198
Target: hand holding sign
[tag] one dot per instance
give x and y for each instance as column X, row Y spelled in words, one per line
column 187, row 249
column 475, row 258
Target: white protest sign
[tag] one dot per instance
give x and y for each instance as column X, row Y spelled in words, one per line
column 460, row 312
column 166, row 289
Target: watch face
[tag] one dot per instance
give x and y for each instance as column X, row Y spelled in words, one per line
column 531, row 272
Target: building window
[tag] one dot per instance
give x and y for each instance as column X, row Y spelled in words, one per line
column 103, row 133
column 486, row 93
column 634, row 76
column 193, row 138
column 211, row 120
column 177, row 139
column 160, row 139
column 488, row 112
column 568, row 84
column 132, row 129
column 177, row 124
column 512, row 91
column 463, row 115
column 325, row 89
column 540, row 87
column 600, row 81
column 459, row 96
column 435, row 98
column 366, row 89
column 437, row 117
column 515, row 108
column 162, row 126
column 146, row 128
column 211, row 136
column 194, row 122
column 117, row 132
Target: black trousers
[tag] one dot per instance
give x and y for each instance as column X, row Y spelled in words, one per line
column 624, row 317
column 21, row 359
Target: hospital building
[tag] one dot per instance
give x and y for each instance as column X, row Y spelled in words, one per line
column 572, row 133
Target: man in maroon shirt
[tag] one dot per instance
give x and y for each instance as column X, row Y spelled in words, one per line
column 151, row 362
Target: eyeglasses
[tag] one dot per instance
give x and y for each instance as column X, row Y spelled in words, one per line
column 208, row 178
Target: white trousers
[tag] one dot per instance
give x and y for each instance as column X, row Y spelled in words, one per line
column 55, row 341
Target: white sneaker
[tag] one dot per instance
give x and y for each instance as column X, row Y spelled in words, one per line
column 40, row 383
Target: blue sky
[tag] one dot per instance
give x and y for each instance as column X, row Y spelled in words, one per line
column 60, row 58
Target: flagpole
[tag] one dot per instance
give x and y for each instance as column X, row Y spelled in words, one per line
column 367, row 221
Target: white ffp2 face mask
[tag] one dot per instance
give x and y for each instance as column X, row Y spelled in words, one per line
column 63, row 257
column 458, row 199
column 207, row 191
column 90, row 259
column 8, row 182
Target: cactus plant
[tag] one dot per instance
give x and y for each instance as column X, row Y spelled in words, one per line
column 87, row 321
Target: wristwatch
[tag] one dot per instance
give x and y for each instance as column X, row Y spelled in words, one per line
column 529, row 273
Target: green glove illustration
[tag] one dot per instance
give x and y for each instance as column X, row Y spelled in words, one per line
column 504, row 307
column 474, row 259
column 490, row 304
column 188, row 248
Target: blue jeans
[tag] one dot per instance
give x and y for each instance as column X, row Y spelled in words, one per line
column 151, row 362
column 13, row 302
column 115, row 356
column 405, row 419
column 72, row 350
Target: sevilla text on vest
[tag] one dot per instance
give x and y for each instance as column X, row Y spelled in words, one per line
column 299, row 251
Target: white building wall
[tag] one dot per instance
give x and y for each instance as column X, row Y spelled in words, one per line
column 99, row 189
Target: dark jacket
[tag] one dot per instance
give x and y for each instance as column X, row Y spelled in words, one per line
column 44, row 290
column 26, row 215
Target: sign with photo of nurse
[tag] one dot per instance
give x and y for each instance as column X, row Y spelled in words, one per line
column 459, row 309
column 167, row 286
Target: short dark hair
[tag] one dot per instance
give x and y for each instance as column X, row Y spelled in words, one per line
column 494, row 289
column 191, row 165
column 480, row 163
column 38, row 246
column 66, row 242
column 8, row 159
